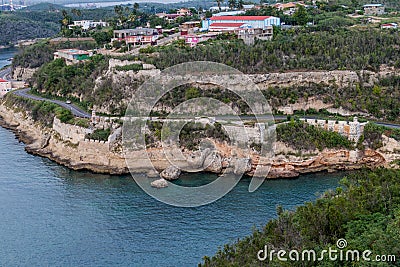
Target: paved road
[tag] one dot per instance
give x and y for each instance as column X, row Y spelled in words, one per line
column 74, row 109
column 168, row 39
column 5, row 74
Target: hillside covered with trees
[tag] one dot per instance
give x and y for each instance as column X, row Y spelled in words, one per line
column 365, row 211
column 15, row 28
column 297, row 49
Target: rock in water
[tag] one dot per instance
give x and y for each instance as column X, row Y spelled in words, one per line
column 242, row 166
column 213, row 163
column 160, row 183
column 171, row 173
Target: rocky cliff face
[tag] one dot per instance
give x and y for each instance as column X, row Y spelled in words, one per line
column 23, row 74
column 103, row 157
column 124, row 83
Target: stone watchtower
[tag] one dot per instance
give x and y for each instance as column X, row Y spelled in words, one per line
column 94, row 117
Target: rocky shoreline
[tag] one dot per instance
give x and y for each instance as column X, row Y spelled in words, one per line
column 43, row 141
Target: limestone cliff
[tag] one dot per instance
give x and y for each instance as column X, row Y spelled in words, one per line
column 23, row 74
column 107, row 157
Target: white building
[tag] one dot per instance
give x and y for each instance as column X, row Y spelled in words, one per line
column 256, row 22
column 352, row 130
column 87, row 24
column 73, row 56
column 374, row 9
column 5, row 87
column 229, row 13
column 389, row 26
column 216, row 9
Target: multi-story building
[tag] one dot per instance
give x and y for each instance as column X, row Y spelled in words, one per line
column 352, row 130
column 189, row 27
column 73, row 56
column 250, row 35
column 256, row 22
column 184, row 12
column 87, row 24
column 140, row 36
column 374, row 9
column 5, row 87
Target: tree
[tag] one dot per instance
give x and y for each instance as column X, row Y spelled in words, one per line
column 119, row 10
column 240, row 4
column 76, row 12
column 301, row 15
column 66, row 20
column 232, row 4
column 135, row 6
column 219, row 4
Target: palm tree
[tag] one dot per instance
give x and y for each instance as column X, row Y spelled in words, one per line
column 76, row 12
column 66, row 20
column 119, row 10
column 232, row 4
column 240, row 4
column 135, row 6
column 219, row 4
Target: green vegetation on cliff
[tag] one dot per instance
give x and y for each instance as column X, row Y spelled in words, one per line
column 58, row 79
column 99, row 134
column 380, row 100
column 189, row 137
column 353, row 49
column 373, row 138
column 303, row 136
column 38, row 54
column 43, row 112
column 365, row 211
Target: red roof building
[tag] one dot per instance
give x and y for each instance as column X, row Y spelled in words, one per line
column 5, row 87
column 240, row 18
column 227, row 27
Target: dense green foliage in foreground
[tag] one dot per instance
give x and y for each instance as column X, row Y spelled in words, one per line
column 303, row 136
column 365, row 211
column 353, row 49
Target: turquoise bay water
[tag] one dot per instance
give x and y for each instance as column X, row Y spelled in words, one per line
column 53, row 216
column 6, row 54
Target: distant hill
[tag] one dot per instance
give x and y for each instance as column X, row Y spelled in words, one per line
column 44, row 7
column 388, row 3
column 15, row 28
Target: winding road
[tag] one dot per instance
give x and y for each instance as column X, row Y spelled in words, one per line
column 4, row 74
column 74, row 109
